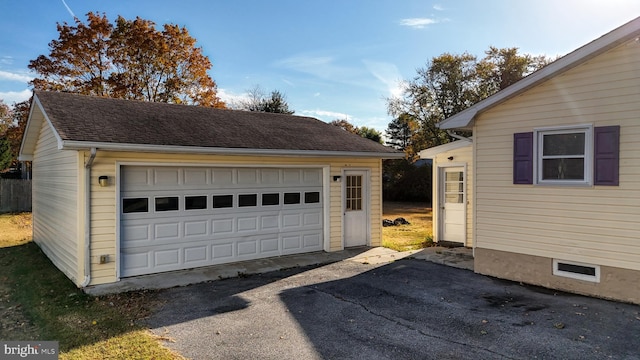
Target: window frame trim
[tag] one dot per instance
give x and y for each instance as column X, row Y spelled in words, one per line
column 538, row 136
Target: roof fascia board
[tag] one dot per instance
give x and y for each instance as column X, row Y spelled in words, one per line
column 465, row 118
column 84, row 145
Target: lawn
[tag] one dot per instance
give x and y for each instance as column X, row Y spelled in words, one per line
column 416, row 235
column 37, row 302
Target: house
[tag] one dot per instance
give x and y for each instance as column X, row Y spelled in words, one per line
column 126, row 188
column 553, row 180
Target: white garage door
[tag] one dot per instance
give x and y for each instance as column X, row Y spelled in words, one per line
column 176, row 218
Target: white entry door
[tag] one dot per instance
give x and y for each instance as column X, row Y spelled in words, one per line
column 356, row 206
column 452, row 204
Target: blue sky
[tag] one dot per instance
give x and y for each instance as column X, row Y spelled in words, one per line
column 333, row 59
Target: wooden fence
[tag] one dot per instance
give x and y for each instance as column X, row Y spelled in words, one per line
column 15, row 195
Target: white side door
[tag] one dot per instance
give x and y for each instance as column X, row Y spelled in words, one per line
column 356, row 208
column 452, row 204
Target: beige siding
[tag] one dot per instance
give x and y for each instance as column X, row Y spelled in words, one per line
column 103, row 199
column 595, row 225
column 463, row 157
column 55, row 203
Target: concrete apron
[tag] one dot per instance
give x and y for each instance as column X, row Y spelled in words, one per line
column 455, row 257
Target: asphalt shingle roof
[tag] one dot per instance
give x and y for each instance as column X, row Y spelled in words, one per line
column 104, row 120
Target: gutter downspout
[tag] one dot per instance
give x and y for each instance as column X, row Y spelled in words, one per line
column 459, row 137
column 87, row 217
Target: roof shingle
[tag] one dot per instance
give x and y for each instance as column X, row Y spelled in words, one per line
column 105, row 120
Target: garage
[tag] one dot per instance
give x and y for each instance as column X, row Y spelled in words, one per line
column 174, row 218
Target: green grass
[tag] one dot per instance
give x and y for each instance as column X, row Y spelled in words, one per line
column 415, row 236
column 37, row 302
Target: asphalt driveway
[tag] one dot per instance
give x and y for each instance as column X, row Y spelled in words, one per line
column 408, row 309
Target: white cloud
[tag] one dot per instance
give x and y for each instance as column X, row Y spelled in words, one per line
column 438, row 7
column 6, row 60
column 325, row 115
column 9, row 76
column 418, row 23
column 230, row 98
column 9, row 97
column 388, row 74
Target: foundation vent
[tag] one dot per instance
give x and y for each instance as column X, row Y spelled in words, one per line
column 576, row 270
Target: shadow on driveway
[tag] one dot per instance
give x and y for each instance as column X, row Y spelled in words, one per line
column 408, row 309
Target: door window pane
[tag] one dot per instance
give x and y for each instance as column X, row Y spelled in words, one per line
column 270, row 199
column 167, row 203
column 311, row 197
column 195, row 202
column 222, row 201
column 135, row 205
column 353, row 201
column 454, row 187
column 247, row 200
column 292, row 198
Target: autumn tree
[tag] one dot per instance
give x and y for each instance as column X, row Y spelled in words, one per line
column 345, row 125
column 14, row 122
column 130, row 59
column 401, row 131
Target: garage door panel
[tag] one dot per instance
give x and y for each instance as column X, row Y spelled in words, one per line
column 222, row 226
column 249, row 223
column 270, row 246
column 136, row 233
column 199, row 234
column 165, row 231
column 195, row 254
column 196, row 177
column 221, row 253
column 195, row 228
column 167, row 257
column 269, row 222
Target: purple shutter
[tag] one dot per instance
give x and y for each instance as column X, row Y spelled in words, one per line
column 523, row 158
column 606, row 159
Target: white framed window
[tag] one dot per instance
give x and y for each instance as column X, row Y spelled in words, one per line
column 564, row 155
column 576, row 270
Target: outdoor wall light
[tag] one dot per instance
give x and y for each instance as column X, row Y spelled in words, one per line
column 450, row 158
column 336, row 178
column 103, row 181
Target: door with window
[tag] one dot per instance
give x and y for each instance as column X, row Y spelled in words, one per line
column 356, row 208
column 452, row 204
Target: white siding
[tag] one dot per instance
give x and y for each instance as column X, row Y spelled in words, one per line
column 55, row 202
column 596, row 225
column 103, row 199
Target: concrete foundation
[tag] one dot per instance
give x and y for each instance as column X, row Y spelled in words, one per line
column 615, row 283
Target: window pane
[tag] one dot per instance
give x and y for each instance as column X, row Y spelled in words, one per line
column 135, row 205
column 169, row 203
column 247, row 200
column 311, row 197
column 453, row 198
column 453, row 186
column 454, row 176
column 270, row 199
column 563, row 144
column 292, row 198
column 195, row 202
column 222, row 201
column 563, row 169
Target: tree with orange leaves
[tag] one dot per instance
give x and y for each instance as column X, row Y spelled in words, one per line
column 130, row 59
